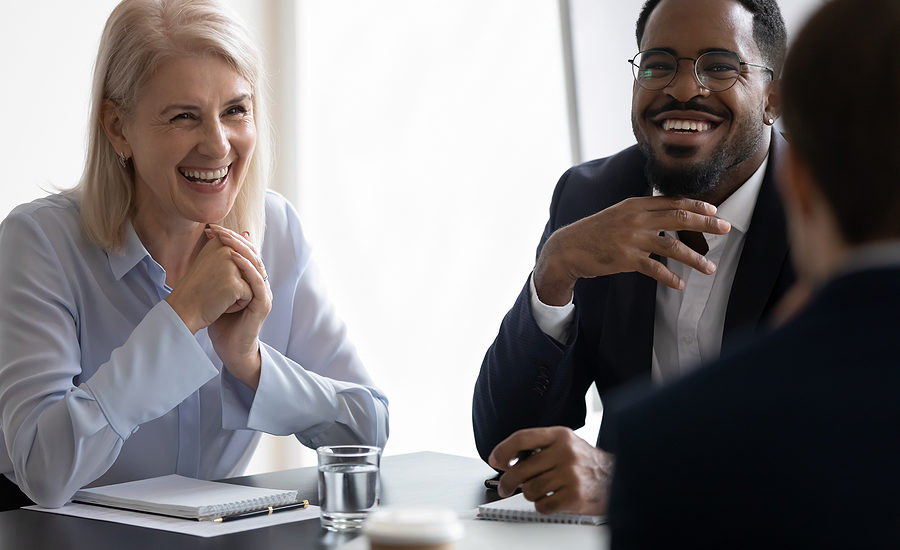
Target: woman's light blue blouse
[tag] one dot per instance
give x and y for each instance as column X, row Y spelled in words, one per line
column 101, row 381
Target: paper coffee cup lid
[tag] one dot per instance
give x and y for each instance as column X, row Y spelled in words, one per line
column 408, row 525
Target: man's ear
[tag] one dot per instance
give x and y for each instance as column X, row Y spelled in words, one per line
column 112, row 120
column 772, row 109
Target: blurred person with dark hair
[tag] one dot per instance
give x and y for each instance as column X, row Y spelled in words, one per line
column 794, row 441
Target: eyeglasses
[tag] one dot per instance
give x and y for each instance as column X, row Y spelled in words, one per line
column 716, row 70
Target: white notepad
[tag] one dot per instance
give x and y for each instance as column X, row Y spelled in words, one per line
column 517, row 508
column 185, row 497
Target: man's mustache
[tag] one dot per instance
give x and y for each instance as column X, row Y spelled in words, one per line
column 691, row 105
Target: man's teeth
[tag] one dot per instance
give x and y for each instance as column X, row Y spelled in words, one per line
column 686, row 125
column 206, row 177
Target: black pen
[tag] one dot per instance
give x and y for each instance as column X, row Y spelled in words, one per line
column 265, row 512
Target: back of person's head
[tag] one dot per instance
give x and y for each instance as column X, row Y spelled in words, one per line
column 841, row 105
column 140, row 36
column 768, row 28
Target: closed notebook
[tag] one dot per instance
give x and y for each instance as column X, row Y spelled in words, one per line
column 517, row 508
column 185, row 497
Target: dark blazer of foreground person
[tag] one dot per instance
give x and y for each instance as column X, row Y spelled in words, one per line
column 797, row 438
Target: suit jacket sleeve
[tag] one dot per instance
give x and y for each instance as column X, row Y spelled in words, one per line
column 514, row 389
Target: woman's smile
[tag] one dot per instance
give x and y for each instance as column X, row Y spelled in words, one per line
column 205, row 180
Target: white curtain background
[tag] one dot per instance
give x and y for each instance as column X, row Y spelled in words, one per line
column 429, row 137
column 420, row 141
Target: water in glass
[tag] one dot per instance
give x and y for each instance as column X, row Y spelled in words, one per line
column 347, row 493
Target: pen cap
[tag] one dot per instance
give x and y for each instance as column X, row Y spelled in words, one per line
column 408, row 529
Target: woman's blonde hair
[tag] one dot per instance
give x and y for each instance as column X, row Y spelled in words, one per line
column 139, row 37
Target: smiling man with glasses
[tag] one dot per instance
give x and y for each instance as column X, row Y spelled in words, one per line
column 653, row 260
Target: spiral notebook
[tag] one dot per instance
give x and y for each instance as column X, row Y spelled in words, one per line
column 185, row 497
column 517, row 508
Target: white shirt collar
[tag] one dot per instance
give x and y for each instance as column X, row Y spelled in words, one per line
column 133, row 252
column 738, row 208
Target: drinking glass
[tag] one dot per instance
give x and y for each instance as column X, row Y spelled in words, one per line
column 348, row 484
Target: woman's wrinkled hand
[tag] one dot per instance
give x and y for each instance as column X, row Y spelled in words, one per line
column 235, row 333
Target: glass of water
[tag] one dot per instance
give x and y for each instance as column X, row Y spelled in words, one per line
column 348, row 484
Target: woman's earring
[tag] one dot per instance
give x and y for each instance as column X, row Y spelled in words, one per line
column 123, row 160
column 771, row 121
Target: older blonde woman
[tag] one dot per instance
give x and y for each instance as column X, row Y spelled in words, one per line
column 166, row 311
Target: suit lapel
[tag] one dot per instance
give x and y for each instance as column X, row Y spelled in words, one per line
column 763, row 257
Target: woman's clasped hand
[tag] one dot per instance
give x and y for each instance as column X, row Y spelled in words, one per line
column 226, row 290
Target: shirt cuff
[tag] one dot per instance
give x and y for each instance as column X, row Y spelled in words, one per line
column 159, row 366
column 554, row 321
column 290, row 399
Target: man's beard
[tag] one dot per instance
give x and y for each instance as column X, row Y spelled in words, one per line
column 698, row 179
column 694, row 180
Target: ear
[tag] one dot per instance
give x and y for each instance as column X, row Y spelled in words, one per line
column 797, row 185
column 113, row 122
column 772, row 109
column 817, row 244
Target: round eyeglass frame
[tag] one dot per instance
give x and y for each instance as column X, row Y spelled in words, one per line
column 635, row 67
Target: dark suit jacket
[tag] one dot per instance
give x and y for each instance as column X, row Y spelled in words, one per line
column 793, row 442
column 528, row 380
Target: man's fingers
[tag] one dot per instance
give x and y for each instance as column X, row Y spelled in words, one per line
column 528, row 439
column 661, row 245
column 537, row 487
column 681, row 219
column 508, row 484
column 675, row 203
column 554, row 503
column 656, row 270
column 521, row 440
column 525, row 471
column 677, row 250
